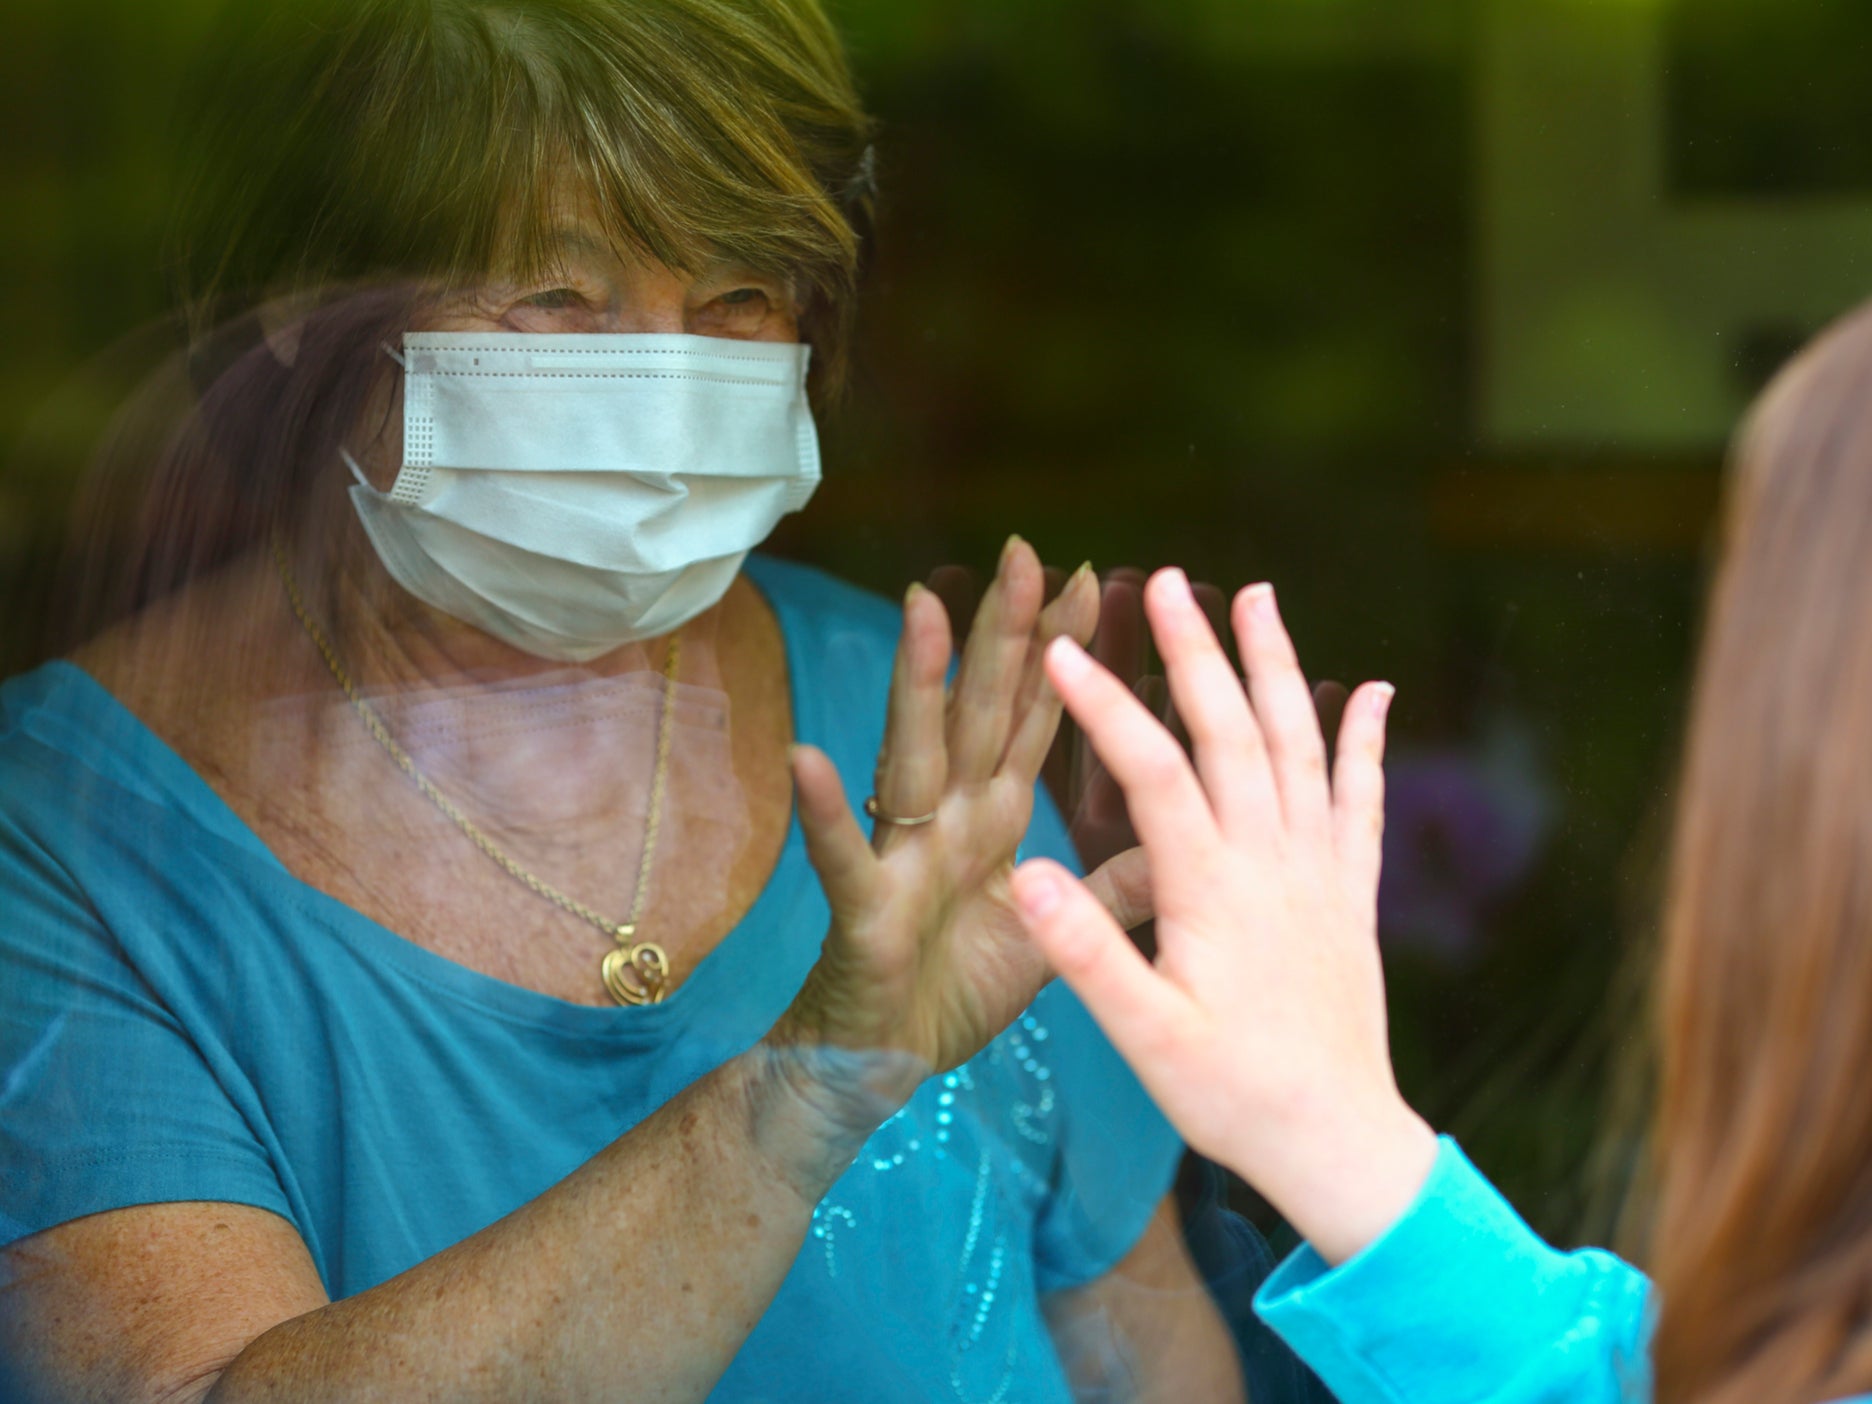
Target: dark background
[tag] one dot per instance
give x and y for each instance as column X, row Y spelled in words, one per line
column 1372, row 299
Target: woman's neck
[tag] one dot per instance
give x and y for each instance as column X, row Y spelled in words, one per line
column 546, row 749
column 544, row 752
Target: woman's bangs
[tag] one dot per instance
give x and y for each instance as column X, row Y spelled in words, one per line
column 662, row 194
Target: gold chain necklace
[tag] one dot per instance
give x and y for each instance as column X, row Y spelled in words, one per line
column 634, row 972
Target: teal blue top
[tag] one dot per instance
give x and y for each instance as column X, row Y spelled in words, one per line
column 1460, row 1302
column 183, row 1019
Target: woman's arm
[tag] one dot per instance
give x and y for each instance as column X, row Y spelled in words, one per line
column 1147, row 1331
column 638, row 1275
column 1260, row 1028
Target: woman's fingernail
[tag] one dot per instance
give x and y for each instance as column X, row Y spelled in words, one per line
column 1037, row 891
column 1007, row 549
column 1381, row 699
column 1067, row 657
column 915, row 588
column 1175, row 583
column 1261, row 601
column 1084, row 571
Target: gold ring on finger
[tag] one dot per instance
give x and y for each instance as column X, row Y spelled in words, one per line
column 872, row 808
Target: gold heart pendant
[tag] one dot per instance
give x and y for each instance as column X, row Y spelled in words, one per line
column 635, row 974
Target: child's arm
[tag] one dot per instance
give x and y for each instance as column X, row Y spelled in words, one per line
column 1260, row 1030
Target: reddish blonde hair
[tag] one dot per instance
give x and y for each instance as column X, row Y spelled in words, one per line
column 1763, row 1250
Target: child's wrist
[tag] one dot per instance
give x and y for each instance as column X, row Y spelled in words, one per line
column 1342, row 1179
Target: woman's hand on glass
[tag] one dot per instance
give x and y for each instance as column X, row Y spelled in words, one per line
column 926, row 958
column 1260, row 1028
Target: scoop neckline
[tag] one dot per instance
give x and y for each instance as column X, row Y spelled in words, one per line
column 487, row 993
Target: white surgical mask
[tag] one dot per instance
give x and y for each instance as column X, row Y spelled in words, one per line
column 572, row 493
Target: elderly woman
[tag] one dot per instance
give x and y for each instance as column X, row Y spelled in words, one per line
column 439, row 958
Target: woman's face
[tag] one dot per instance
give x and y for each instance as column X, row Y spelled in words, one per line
column 596, row 287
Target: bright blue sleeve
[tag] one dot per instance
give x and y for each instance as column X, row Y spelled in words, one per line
column 1119, row 1155
column 1460, row 1302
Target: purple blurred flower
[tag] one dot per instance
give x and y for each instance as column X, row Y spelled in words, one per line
column 1463, row 828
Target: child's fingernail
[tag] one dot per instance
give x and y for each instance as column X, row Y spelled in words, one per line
column 1067, row 657
column 1261, row 601
column 1037, row 891
column 1381, row 699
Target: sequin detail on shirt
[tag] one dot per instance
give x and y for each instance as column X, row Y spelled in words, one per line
column 992, row 1120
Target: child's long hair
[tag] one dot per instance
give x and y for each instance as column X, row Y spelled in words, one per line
column 1763, row 1247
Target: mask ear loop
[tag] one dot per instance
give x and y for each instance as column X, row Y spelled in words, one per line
column 344, row 452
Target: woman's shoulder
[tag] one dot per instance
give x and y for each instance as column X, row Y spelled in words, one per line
column 57, row 707
column 840, row 643
column 76, row 763
column 810, row 600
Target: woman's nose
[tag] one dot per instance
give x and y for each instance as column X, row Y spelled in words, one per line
column 653, row 298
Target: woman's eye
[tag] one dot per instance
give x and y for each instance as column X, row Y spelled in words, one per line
column 552, row 299
column 737, row 312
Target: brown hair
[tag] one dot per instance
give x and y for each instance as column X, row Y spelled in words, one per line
column 1763, row 1238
